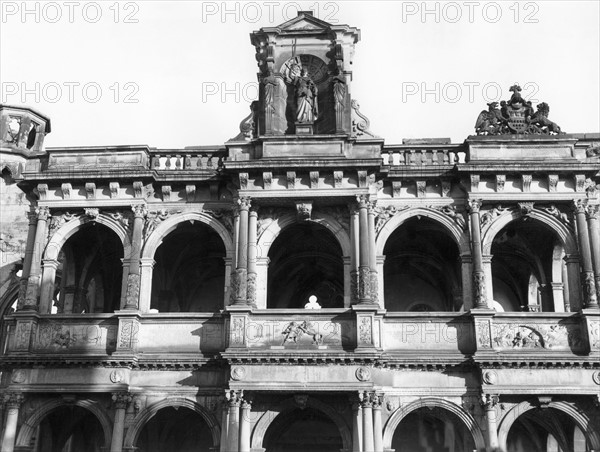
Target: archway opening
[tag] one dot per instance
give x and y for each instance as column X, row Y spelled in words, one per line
column 432, row 429
column 422, row 268
column 305, row 260
column 545, row 430
column 175, row 429
column 302, row 430
column 189, row 274
column 527, row 267
column 69, row 429
column 90, row 271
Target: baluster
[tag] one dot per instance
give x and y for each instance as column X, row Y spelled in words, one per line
column 177, row 162
column 412, row 157
column 168, row 162
column 156, row 161
column 187, row 163
column 445, row 157
column 424, row 157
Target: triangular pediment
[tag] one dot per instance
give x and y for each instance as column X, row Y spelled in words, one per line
column 304, row 21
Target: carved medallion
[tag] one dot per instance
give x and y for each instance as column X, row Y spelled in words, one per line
column 117, row 376
column 18, row 376
column 238, row 373
column 490, row 377
column 596, row 377
column 363, row 374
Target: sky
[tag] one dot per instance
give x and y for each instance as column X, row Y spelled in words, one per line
column 171, row 74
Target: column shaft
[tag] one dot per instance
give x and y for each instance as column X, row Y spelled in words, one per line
column 594, row 229
column 245, row 427
column 132, row 298
column 364, row 272
column 368, row 441
column 357, row 425
column 489, row 402
column 47, row 286
column 590, row 299
column 33, row 283
column 377, row 427
column 116, row 443
column 29, row 250
column 224, row 427
column 233, row 426
column 12, row 416
column 252, row 253
column 479, row 289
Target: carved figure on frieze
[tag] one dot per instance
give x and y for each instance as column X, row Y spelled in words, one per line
column 451, row 211
column 490, row 215
column 384, row 214
column 58, row 220
column 295, row 330
column 555, row 212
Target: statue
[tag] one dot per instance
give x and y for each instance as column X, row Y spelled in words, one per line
column 307, row 109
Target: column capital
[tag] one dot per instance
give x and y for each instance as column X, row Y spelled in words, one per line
column 139, row 210
column 592, row 211
column 13, row 400
column 234, row 398
column 489, row 401
column 579, row 206
column 42, row 212
column 362, row 201
column 474, row 205
column 120, row 400
column 244, row 203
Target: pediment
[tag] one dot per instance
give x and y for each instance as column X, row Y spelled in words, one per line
column 305, row 22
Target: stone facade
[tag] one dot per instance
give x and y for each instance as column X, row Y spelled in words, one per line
column 306, row 287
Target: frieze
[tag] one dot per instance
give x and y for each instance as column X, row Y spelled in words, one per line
column 56, row 335
column 539, row 336
column 294, row 331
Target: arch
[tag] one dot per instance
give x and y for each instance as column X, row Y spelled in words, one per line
column 580, row 419
column 458, row 235
column 562, row 231
column 145, row 415
column 288, row 405
column 272, row 231
column 71, row 227
column 163, row 229
column 432, row 402
column 29, row 427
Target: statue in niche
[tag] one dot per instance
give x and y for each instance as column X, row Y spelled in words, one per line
column 307, row 109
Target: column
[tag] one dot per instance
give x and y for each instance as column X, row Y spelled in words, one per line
column 233, row 426
column 355, row 240
column 132, row 299
column 367, row 417
column 13, row 401
column 33, row 283
column 47, row 289
column 357, row 427
column 377, row 424
column 245, row 426
column 592, row 213
column 590, row 299
column 146, row 269
column 364, row 277
column 120, row 402
column 573, row 300
column 489, row 402
column 239, row 278
column 224, row 425
column 29, row 250
column 252, row 252
column 479, row 290
column 374, row 283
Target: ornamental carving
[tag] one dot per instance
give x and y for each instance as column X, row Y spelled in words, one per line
column 237, row 373
column 384, row 214
column 555, row 212
column 237, row 330
column 483, row 334
column 451, row 212
column 91, row 212
column 360, row 123
column 539, row 336
column 128, row 334
column 365, row 335
column 294, row 331
column 489, row 216
column 18, row 376
column 525, row 208
column 363, row 374
column 268, row 215
column 224, row 216
column 117, row 376
column 58, row 220
column 596, row 377
column 340, row 215
column 154, row 218
column 490, row 377
column 516, row 116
